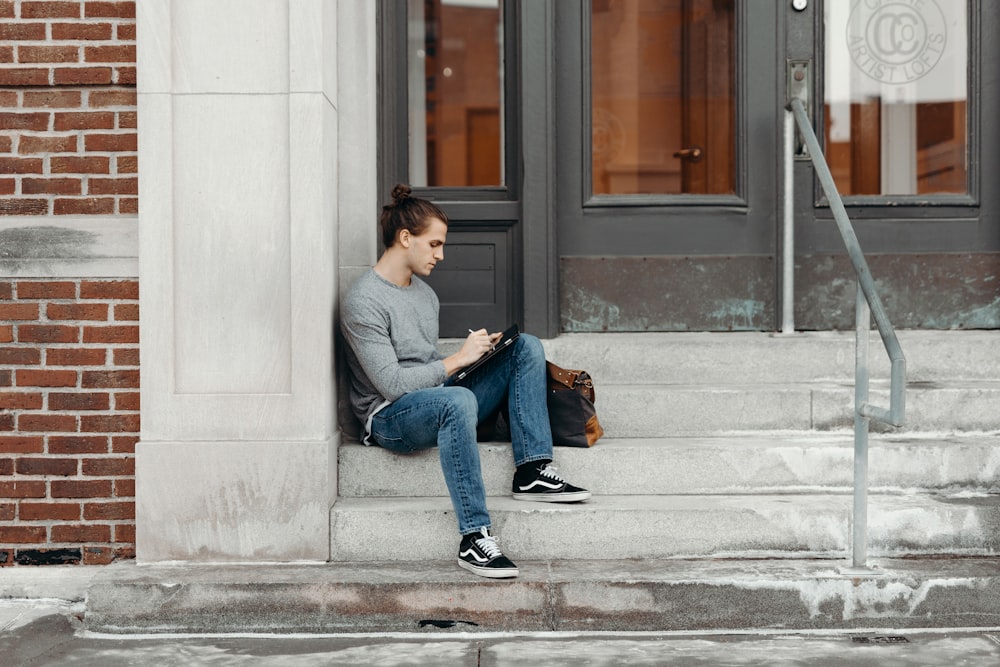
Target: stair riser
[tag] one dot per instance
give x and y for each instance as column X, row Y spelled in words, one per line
column 931, row 356
column 705, row 466
column 663, row 411
column 785, row 528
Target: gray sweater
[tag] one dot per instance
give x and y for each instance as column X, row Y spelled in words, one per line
column 391, row 334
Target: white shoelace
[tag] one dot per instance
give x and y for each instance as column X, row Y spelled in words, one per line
column 488, row 544
column 550, row 472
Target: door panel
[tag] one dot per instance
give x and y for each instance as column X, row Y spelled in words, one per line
column 625, row 245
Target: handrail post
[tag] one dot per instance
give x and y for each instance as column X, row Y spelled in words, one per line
column 788, row 230
column 862, row 314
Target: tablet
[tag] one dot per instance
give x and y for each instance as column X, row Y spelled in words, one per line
column 506, row 340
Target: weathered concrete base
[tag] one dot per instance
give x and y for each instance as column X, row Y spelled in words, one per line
column 619, row 596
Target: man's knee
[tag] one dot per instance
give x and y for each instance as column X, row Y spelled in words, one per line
column 530, row 347
column 460, row 404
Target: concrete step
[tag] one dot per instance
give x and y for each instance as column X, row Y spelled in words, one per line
column 744, row 464
column 663, row 410
column 574, row 595
column 752, row 358
column 622, row 527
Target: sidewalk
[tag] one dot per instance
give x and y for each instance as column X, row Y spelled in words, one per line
column 46, row 632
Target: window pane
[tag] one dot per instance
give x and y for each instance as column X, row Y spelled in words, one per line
column 455, row 86
column 662, row 87
column 896, row 96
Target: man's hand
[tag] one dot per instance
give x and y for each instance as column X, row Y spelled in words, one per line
column 476, row 345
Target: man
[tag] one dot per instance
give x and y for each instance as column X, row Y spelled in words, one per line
column 402, row 392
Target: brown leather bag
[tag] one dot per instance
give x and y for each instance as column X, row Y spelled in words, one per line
column 572, row 414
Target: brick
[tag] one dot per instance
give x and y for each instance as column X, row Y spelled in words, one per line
column 125, row 488
column 51, row 10
column 127, row 401
column 7, row 185
column 84, row 206
column 114, row 334
column 117, row 511
column 80, row 165
column 45, row 378
column 78, row 444
column 6, row 467
column 83, row 120
column 6, row 421
column 81, row 533
column 77, row 311
column 62, row 356
column 79, row 401
column 111, row 98
column 124, row 444
column 111, row 142
column 6, row 290
column 72, row 488
column 110, row 379
column 18, row 311
column 48, row 556
column 116, row 53
column 109, row 289
column 20, row 165
column 128, row 423
column 48, row 54
column 24, row 206
column 51, row 186
column 47, row 333
column 92, row 76
column 46, row 290
column 125, row 76
column 126, row 312
column 128, row 205
column 6, row 378
column 82, row 31
column 21, row 31
column 29, row 145
column 113, row 186
column 19, row 356
column 127, row 164
column 19, row 400
column 24, row 534
column 109, row 467
column 117, row 10
column 7, row 512
column 23, row 488
column 24, row 76
column 37, row 121
column 8, row 98
column 6, row 54
column 48, row 467
column 22, row 444
column 125, row 32
column 125, row 533
column 7, row 9
column 128, row 120
column 53, row 99
column 46, row 423
column 29, row 511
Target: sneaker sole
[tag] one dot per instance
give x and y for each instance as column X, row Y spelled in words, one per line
column 576, row 497
column 488, row 572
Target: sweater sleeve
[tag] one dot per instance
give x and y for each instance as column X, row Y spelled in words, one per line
column 366, row 328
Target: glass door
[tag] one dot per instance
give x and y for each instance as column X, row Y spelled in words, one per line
column 667, row 164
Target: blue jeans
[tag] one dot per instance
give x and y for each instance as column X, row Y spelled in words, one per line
column 447, row 416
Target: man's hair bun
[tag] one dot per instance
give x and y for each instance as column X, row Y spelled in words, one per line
column 400, row 192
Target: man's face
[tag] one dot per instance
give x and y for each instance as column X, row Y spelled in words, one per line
column 426, row 250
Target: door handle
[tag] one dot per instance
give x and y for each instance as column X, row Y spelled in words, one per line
column 692, row 153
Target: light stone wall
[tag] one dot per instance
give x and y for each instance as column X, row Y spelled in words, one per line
column 257, row 157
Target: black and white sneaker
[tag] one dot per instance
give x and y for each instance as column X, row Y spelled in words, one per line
column 548, row 487
column 480, row 555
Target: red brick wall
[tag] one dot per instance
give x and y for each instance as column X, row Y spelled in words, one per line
column 67, row 108
column 69, row 420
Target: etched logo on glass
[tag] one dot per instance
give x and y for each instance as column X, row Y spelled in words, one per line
column 896, row 41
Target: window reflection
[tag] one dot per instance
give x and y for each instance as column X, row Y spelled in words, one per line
column 896, row 96
column 455, row 84
column 662, row 87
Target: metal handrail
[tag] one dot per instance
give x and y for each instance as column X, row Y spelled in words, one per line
column 868, row 304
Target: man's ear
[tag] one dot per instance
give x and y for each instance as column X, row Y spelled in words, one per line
column 404, row 238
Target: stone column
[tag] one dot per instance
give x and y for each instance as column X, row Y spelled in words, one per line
column 240, row 154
